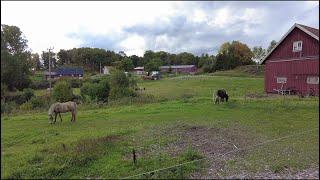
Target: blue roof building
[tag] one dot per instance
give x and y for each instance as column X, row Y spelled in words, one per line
column 66, row 71
column 69, row 71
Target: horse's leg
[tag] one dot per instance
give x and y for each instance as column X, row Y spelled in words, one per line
column 71, row 116
column 60, row 117
column 74, row 116
column 55, row 117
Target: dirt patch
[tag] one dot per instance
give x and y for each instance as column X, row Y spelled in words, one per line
column 209, row 141
column 310, row 173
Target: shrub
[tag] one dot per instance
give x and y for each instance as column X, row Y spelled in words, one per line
column 8, row 107
column 96, row 91
column 76, row 83
column 4, row 89
column 208, row 68
column 37, row 102
column 28, row 93
column 121, row 85
column 26, row 106
column 44, row 84
column 103, row 90
column 62, row 91
column 89, row 89
column 18, row 98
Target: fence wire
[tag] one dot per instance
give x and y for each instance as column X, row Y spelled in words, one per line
column 212, row 156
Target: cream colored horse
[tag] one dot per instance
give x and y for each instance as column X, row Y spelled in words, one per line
column 58, row 108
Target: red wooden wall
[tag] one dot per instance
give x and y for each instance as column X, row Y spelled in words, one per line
column 296, row 66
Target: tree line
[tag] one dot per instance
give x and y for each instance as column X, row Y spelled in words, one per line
column 229, row 56
column 17, row 59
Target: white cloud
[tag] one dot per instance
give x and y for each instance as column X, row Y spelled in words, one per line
column 133, row 42
column 171, row 26
column 48, row 23
column 222, row 18
column 199, row 16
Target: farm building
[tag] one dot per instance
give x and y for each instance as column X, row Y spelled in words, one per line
column 106, row 69
column 293, row 64
column 66, row 72
column 139, row 70
column 179, row 69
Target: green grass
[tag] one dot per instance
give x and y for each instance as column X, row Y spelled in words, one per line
column 243, row 71
column 37, row 76
column 100, row 143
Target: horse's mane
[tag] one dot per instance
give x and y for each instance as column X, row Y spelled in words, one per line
column 51, row 109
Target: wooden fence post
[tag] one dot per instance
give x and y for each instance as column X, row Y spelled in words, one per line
column 181, row 172
column 134, row 156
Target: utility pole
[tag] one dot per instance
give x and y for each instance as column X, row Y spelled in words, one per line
column 51, row 48
column 100, row 68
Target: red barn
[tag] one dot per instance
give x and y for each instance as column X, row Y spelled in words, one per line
column 293, row 64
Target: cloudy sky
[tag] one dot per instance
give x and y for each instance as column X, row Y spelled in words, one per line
column 196, row 27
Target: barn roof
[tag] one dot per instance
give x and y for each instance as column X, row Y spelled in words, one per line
column 139, row 68
column 313, row 32
column 69, row 70
column 178, row 66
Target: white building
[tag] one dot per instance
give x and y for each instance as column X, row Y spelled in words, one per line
column 106, row 70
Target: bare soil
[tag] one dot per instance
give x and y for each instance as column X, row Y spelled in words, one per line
column 214, row 143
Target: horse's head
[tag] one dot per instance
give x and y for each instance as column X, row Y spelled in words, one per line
column 227, row 97
column 50, row 118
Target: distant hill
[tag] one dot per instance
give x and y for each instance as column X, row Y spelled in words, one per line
column 243, row 71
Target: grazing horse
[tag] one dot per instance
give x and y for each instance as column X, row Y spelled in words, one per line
column 220, row 95
column 58, row 108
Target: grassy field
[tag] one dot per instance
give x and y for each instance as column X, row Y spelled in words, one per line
column 182, row 126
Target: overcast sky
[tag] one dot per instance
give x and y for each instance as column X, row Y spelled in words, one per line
column 196, row 27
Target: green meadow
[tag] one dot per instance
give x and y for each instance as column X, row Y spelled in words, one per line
column 180, row 124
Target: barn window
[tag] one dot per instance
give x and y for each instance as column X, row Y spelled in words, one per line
column 297, row 46
column 313, row 80
column 281, row 80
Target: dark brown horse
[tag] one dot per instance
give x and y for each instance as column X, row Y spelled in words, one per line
column 220, row 95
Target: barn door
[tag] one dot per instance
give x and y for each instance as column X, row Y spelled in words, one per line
column 300, row 83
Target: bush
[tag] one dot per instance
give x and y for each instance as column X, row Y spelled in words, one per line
column 76, row 83
column 117, row 93
column 44, row 84
column 62, row 91
column 18, row 98
column 208, row 68
column 28, row 93
column 96, row 91
column 103, row 91
column 89, row 89
column 121, row 85
column 84, row 90
column 8, row 107
column 26, row 106
column 4, row 89
column 40, row 101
